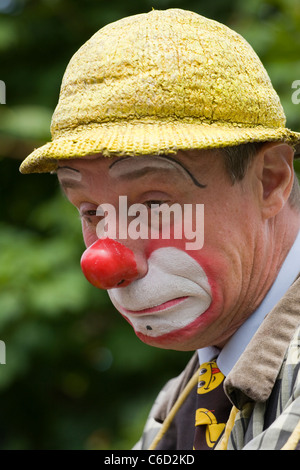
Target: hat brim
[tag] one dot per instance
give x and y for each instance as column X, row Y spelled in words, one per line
column 146, row 138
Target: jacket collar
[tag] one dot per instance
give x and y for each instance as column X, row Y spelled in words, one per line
column 254, row 374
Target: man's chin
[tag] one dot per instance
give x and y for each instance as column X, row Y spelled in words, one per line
column 188, row 338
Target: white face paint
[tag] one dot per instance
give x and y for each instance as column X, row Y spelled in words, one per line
column 131, row 166
column 174, row 292
column 66, row 173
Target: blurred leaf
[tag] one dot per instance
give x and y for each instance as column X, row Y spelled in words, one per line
column 8, row 34
column 26, row 121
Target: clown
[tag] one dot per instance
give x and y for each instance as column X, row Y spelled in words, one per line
column 175, row 114
column 174, row 282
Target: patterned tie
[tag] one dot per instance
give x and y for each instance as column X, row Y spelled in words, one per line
column 213, row 407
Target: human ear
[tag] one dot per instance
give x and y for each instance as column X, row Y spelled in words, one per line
column 276, row 177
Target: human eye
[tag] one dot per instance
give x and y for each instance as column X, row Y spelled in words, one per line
column 88, row 213
column 154, row 199
column 153, row 204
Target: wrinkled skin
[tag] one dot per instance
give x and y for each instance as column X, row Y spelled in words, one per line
column 249, row 228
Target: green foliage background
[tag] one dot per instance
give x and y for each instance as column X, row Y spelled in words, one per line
column 76, row 377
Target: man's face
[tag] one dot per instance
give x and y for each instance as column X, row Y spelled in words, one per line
column 185, row 296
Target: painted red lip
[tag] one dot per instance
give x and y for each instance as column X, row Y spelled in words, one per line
column 157, row 308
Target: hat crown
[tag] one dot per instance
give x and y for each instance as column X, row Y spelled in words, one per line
column 167, row 65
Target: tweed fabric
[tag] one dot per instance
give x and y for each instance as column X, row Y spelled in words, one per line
column 263, row 426
column 160, row 82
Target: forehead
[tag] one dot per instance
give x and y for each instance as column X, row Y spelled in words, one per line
column 182, row 162
column 178, row 170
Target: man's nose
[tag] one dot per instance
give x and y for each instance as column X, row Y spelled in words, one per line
column 107, row 264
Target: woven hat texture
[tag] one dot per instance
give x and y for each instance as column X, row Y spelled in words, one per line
column 160, row 82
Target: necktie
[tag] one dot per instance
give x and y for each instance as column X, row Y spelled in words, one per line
column 213, row 407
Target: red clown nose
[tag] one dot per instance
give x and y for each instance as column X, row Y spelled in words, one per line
column 107, row 264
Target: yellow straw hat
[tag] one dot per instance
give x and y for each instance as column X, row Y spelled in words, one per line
column 157, row 83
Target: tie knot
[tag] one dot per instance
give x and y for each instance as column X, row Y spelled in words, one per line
column 210, row 377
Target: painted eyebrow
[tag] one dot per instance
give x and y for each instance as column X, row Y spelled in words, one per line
column 71, row 180
column 188, row 172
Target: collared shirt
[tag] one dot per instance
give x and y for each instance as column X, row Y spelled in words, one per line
column 231, row 352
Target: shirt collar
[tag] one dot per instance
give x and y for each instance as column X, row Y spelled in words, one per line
column 238, row 342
